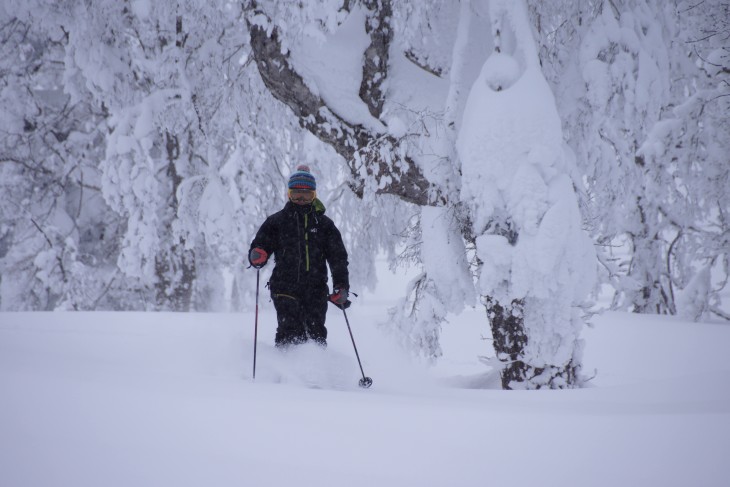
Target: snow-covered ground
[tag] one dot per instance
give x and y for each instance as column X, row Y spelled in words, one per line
column 133, row 399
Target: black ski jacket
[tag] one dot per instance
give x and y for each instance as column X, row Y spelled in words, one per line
column 303, row 241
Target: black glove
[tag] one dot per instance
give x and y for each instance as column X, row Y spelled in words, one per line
column 339, row 297
column 258, row 257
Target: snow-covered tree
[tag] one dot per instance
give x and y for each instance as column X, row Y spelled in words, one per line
column 55, row 251
column 144, row 142
column 647, row 165
column 691, row 143
column 169, row 75
column 504, row 187
column 537, row 263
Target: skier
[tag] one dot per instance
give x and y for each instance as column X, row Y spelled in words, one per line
column 303, row 241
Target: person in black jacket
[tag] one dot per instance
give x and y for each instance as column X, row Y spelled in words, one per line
column 303, row 241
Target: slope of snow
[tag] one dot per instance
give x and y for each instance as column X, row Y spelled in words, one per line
column 121, row 399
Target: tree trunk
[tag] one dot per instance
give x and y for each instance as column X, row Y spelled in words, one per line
column 175, row 268
column 510, row 340
column 650, row 267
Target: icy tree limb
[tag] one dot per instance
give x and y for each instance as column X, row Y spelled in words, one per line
column 457, row 68
column 369, row 155
column 720, row 313
column 375, row 62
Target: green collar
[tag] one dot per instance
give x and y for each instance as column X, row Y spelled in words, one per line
column 318, row 206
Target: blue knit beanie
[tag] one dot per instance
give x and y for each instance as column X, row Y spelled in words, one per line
column 302, row 179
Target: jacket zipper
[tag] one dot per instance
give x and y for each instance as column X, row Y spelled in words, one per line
column 306, row 243
column 299, row 250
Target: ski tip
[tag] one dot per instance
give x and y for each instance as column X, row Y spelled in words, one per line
column 366, row 382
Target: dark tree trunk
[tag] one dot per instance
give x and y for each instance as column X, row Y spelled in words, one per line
column 175, row 267
column 510, row 339
column 508, row 333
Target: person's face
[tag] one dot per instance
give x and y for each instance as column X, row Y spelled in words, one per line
column 301, row 196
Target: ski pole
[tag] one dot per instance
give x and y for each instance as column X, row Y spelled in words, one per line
column 365, row 382
column 256, row 323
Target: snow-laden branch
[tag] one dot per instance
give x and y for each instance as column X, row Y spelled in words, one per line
column 369, row 155
column 375, row 62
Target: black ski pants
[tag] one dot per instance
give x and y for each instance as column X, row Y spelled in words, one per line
column 300, row 319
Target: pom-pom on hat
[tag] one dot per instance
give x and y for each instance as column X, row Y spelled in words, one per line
column 302, row 179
